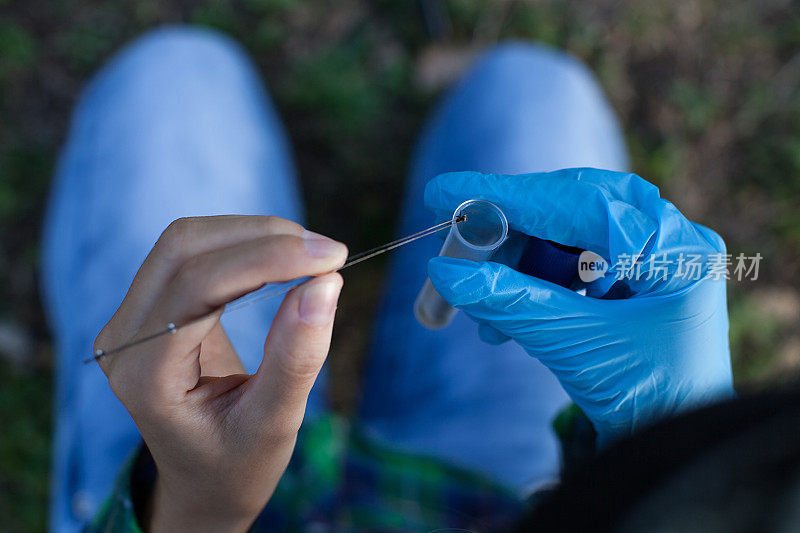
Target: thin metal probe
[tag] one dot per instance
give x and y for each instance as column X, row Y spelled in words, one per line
column 264, row 292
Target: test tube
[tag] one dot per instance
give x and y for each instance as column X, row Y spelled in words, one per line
column 476, row 238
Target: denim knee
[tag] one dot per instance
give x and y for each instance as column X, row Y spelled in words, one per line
column 171, row 65
column 512, row 73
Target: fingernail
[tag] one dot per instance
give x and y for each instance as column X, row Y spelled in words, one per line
column 318, row 303
column 320, row 246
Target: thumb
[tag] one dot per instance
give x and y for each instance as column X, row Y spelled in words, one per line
column 511, row 302
column 296, row 347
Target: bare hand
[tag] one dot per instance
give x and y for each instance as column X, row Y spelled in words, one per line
column 220, row 438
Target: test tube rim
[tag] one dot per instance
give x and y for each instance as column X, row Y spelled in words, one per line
column 502, row 217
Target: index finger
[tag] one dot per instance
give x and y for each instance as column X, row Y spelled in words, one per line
column 570, row 207
column 181, row 240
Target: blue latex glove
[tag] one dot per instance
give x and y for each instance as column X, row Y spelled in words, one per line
column 625, row 362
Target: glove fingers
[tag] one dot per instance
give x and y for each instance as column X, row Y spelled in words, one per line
column 506, row 299
column 565, row 207
column 490, row 335
column 623, row 186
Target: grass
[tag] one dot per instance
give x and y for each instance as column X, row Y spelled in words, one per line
column 24, row 447
column 707, row 91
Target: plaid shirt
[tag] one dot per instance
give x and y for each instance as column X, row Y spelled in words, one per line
column 340, row 480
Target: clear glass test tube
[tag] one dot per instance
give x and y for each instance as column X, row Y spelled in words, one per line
column 476, row 238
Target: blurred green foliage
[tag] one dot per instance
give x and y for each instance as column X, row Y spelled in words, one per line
column 17, row 48
column 336, row 88
column 753, row 333
column 707, row 92
column 25, row 399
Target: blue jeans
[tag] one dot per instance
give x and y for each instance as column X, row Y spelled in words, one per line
column 178, row 124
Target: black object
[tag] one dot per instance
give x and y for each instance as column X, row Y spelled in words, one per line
column 550, row 261
column 732, row 466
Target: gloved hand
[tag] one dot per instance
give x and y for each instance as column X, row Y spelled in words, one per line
column 625, row 362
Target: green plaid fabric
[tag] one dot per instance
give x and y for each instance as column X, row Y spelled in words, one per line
column 340, row 480
column 117, row 513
